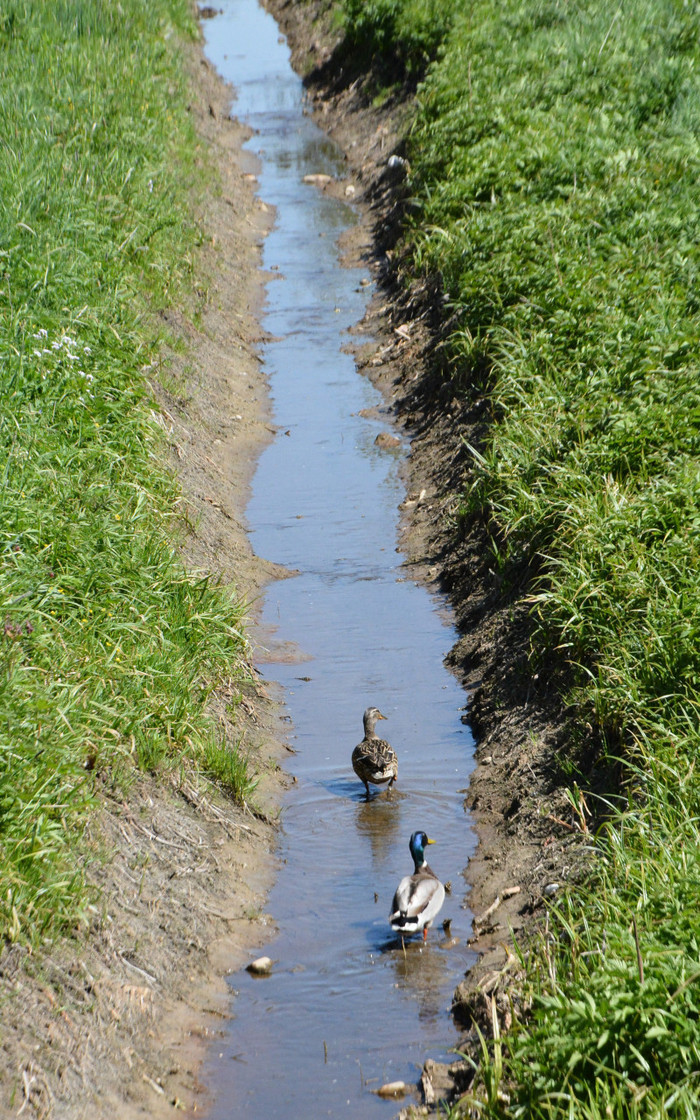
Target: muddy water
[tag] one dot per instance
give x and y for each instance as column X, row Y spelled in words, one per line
column 346, row 1009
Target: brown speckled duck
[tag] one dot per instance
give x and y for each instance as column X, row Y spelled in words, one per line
column 373, row 760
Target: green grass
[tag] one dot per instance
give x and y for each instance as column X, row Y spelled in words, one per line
column 108, row 648
column 555, row 161
column 395, row 39
column 615, row 1026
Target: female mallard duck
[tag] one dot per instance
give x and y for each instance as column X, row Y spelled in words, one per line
column 373, row 760
column 418, row 896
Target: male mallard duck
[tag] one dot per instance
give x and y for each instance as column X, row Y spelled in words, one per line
column 418, row 896
column 373, row 760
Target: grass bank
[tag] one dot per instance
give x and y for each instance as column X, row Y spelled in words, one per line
column 108, row 647
column 555, row 161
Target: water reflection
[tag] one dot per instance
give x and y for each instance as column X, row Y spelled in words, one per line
column 378, row 821
column 421, row 971
column 324, row 503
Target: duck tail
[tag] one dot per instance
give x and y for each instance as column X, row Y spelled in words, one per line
column 400, row 920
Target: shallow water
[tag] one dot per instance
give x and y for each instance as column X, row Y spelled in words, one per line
column 345, row 1009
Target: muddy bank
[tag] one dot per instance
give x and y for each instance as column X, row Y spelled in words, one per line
column 116, row 1024
column 529, row 838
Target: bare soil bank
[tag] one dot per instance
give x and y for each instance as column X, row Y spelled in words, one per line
column 529, row 837
column 115, row 1024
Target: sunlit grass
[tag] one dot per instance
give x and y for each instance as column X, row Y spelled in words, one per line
column 108, row 649
column 230, row 768
column 395, row 40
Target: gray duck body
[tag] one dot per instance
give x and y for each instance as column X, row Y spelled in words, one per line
column 419, row 897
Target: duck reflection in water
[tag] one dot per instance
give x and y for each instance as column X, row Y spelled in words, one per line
column 377, row 821
column 422, row 974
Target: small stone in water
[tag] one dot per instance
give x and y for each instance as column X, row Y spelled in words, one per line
column 393, row 1089
column 387, row 441
column 261, row 967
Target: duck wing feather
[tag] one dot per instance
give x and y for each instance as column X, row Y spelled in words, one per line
column 374, row 757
